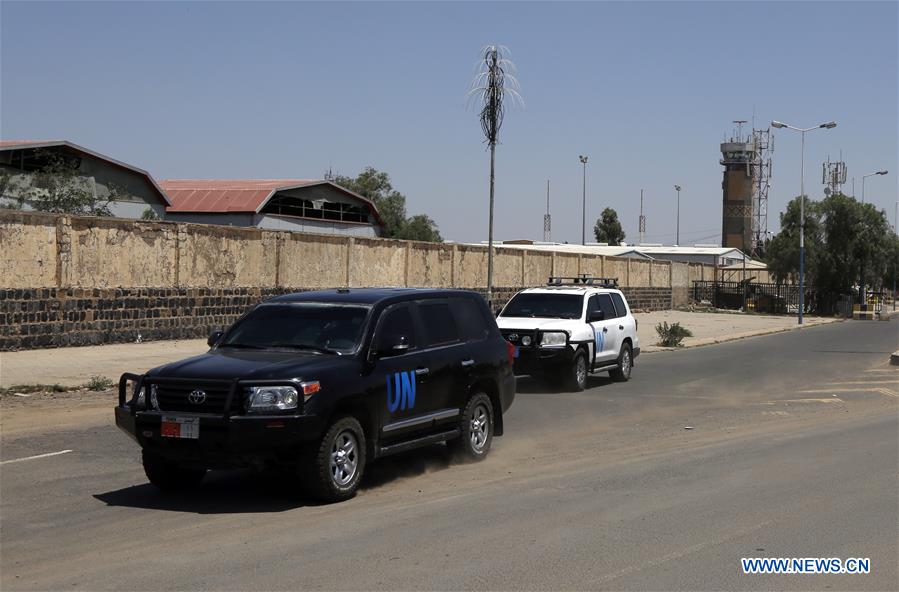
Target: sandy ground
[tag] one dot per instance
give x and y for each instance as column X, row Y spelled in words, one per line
column 74, row 366
column 711, row 327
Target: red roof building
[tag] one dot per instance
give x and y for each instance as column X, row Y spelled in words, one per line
column 309, row 205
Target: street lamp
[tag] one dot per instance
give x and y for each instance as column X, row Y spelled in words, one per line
column 870, row 175
column 779, row 125
column 677, row 240
column 583, row 160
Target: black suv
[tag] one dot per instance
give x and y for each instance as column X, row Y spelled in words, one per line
column 323, row 382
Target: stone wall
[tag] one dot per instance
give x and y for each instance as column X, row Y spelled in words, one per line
column 79, row 281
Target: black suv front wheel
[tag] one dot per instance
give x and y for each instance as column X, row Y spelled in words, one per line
column 331, row 471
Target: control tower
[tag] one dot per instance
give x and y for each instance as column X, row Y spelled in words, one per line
column 738, row 157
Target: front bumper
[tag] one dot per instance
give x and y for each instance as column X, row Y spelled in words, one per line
column 223, row 443
column 537, row 360
column 225, row 440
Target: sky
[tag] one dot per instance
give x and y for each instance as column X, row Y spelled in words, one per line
column 647, row 90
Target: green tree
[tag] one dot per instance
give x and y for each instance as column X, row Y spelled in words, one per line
column 420, row 228
column 783, row 249
column 846, row 243
column 58, row 187
column 608, row 229
column 375, row 185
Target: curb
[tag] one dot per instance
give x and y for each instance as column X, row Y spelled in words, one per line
column 738, row 336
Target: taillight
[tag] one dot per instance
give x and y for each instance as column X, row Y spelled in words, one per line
column 510, row 349
column 636, row 324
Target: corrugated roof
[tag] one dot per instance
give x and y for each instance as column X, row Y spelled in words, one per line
column 225, row 195
column 6, row 145
column 221, row 196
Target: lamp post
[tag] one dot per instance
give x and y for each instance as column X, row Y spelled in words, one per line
column 583, row 160
column 870, row 175
column 779, row 125
column 677, row 236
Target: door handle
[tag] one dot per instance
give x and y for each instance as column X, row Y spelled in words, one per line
column 467, row 363
column 422, row 371
column 605, row 329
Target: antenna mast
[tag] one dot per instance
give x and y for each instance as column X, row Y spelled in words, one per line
column 642, row 224
column 547, row 219
column 833, row 175
column 763, row 143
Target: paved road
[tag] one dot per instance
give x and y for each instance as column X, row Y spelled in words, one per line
column 793, row 452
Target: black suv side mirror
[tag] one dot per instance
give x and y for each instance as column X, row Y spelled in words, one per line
column 392, row 345
column 214, row 338
column 595, row 315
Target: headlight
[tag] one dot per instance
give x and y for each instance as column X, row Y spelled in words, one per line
column 554, row 339
column 261, row 399
column 142, row 399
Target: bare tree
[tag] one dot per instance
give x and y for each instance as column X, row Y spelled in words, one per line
column 493, row 83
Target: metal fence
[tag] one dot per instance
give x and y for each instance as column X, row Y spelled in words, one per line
column 768, row 298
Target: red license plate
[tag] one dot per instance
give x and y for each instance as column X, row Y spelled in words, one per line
column 180, row 427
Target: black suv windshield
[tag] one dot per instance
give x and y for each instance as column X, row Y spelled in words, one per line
column 561, row 306
column 313, row 326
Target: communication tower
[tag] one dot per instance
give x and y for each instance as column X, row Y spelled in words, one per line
column 642, row 221
column 547, row 219
column 763, row 142
column 833, row 175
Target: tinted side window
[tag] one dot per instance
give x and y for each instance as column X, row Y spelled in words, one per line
column 592, row 305
column 469, row 319
column 439, row 325
column 394, row 324
column 619, row 304
column 605, row 305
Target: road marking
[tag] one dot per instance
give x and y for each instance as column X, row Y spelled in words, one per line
column 681, row 553
column 868, row 382
column 15, row 460
column 828, row 400
column 880, row 390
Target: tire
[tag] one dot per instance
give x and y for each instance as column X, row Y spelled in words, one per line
column 576, row 372
column 476, row 424
column 331, row 470
column 625, row 364
column 169, row 476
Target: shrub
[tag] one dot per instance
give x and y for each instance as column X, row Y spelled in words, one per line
column 99, row 383
column 672, row 335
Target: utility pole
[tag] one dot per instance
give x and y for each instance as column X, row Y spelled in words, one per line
column 584, row 205
column 677, row 240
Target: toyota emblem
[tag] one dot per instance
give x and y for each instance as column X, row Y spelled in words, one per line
column 513, row 337
column 197, row 397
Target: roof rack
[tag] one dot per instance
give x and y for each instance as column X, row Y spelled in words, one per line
column 583, row 280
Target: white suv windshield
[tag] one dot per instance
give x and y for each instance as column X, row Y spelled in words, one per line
column 556, row 306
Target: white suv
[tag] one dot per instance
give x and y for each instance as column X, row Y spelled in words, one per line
column 569, row 328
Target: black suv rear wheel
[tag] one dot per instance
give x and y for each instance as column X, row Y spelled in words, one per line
column 476, row 424
column 169, row 476
column 331, row 471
